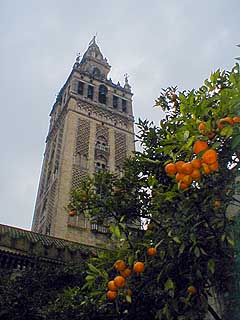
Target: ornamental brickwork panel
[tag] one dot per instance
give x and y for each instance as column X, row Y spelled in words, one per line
column 78, row 175
column 51, row 203
column 102, row 131
column 82, row 137
column 120, row 148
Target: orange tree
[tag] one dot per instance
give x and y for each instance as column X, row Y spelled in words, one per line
column 169, row 215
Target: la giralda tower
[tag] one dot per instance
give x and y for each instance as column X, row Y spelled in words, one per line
column 91, row 129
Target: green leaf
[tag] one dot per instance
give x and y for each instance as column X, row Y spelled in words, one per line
column 162, row 254
column 197, row 252
column 177, row 240
column 122, row 218
column 169, row 285
column 129, row 299
column 89, row 278
column 181, row 249
column 186, row 135
column 93, row 269
column 193, row 238
column 130, row 260
column 230, row 241
column 235, row 142
column 226, row 132
column 211, row 265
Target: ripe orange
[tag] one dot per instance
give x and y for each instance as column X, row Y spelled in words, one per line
column 206, row 169
column 183, row 186
column 220, row 122
column 209, row 156
column 191, row 290
column 196, row 163
column 179, row 176
column 111, row 295
column 217, row 203
column 187, row 179
column 196, row 175
column 236, row 119
column 139, row 267
column 227, row 119
column 112, row 286
column 120, row 265
column 187, row 168
column 202, row 126
column 219, row 125
column 151, row 251
column 214, row 166
column 120, row 281
column 126, row 273
column 179, row 165
column 72, row 213
column 199, row 146
column 170, row 168
column 129, row 292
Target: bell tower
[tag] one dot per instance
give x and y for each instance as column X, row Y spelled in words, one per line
column 91, row 129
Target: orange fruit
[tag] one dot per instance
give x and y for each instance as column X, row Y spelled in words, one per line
column 196, row 175
column 202, row 126
column 236, row 119
column 191, row 290
column 151, row 251
column 217, row 203
column 209, row 156
column 196, row 163
column 187, row 179
column 112, row 286
column 206, row 168
column 219, row 125
column 183, row 186
column 187, row 168
column 111, row 295
column 228, row 120
column 126, row 273
column 179, row 176
column 199, row 146
column 129, row 292
column 72, row 213
column 119, row 281
column 179, row 165
column 170, row 168
column 139, row 267
column 220, row 122
column 214, row 166
column 120, row 265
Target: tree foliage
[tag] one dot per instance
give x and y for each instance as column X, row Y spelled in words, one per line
column 191, row 228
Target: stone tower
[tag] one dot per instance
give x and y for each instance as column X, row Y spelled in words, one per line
column 91, row 129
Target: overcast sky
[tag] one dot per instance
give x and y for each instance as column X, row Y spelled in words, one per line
column 159, row 43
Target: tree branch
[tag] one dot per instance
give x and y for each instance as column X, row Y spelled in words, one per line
column 213, row 313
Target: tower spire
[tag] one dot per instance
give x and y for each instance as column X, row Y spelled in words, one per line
column 93, row 41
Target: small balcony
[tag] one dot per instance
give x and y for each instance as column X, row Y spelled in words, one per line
column 97, row 228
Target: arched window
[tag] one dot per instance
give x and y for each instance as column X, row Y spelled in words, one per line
column 96, row 73
column 102, row 96
column 101, row 164
column 101, row 143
